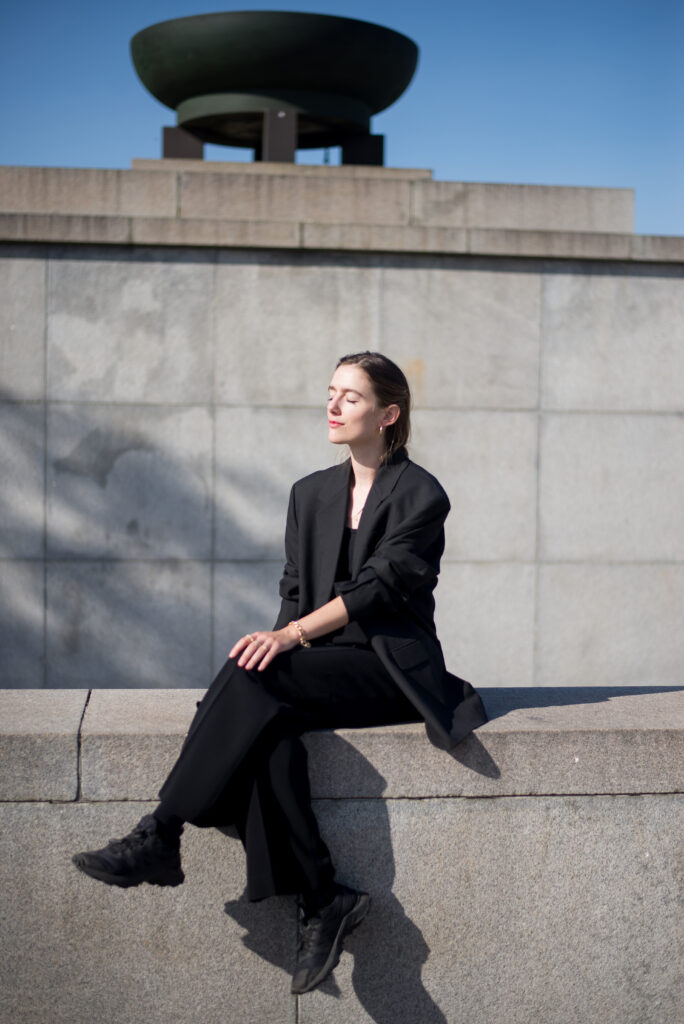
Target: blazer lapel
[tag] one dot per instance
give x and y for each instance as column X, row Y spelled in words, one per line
column 331, row 516
column 385, row 481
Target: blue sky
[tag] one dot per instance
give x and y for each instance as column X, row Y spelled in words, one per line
column 571, row 92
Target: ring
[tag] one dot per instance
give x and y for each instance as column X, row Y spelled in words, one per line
column 250, row 638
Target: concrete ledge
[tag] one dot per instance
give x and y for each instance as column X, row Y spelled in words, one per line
column 612, row 742
column 264, row 234
column 524, row 893
column 539, row 741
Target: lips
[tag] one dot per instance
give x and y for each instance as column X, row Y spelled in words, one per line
column 334, row 423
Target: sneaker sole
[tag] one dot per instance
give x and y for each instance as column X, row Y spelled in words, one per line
column 349, row 922
column 173, row 876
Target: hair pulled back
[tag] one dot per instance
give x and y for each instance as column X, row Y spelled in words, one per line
column 390, row 388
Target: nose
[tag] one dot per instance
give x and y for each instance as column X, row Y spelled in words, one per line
column 333, row 404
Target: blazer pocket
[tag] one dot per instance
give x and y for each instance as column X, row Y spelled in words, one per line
column 410, row 654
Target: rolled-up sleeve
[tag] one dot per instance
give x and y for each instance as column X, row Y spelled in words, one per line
column 406, row 559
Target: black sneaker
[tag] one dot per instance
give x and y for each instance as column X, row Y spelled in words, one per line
column 141, row 856
column 320, row 942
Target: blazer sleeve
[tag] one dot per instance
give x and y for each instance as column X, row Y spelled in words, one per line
column 289, row 584
column 406, row 558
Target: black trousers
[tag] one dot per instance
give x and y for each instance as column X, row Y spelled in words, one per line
column 243, row 762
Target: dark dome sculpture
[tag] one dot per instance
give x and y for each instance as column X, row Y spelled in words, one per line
column 224, row 73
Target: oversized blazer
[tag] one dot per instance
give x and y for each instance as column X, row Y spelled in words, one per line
column 394, row 571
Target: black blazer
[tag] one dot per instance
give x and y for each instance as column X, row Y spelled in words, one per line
column 398, row 547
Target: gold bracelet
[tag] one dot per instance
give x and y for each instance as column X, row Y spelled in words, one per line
column 302, row 638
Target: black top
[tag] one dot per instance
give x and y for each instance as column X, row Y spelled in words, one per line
column 351, row 634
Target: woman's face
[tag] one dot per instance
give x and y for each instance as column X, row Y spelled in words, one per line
column 354, row 416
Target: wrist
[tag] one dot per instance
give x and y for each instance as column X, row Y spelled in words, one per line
column 299, row 633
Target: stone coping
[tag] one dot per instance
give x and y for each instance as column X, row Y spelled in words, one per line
column 113, row 745
column 299, row 206
column 74, row 229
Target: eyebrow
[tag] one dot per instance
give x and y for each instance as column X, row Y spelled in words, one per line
column 345, row 391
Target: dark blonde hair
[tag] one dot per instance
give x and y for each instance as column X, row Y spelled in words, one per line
column 390, row 388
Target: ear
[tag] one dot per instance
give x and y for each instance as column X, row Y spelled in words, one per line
column 390, row 415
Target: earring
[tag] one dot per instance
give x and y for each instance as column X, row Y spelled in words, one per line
column 380, row 429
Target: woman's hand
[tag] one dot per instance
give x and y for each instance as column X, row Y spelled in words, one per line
column 257, row 650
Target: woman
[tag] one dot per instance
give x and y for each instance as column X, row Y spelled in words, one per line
column 354, row 645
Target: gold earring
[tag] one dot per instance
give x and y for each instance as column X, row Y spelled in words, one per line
column 380, row 429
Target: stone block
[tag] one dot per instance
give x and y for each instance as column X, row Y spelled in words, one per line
column 381, row 238
column 292, row 198
column 130, row 330
column 128, row 624
column 491, row 910
column 174, row 231
column 87, row 191
column 252, row 491
column 467, row 333
column 486, row 462
column 22, row 326
column 68, row 228
column 665, row 248
column 550, row 244
column 610, row 625
column 39, row 743
column 610, row 340
column 130, row 741
column 522, row 207
column 22, row 495
column 245, row 598
column 129, row 481
column 75, row 951
column 612, row 487
column 485, row 621
column 292, row 317
column 539, row 741
column 22, row 627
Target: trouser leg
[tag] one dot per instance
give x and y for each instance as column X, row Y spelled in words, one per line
column 277, row 825
column 243, row 762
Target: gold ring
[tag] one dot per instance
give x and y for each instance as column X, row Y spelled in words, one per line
column 250, row 638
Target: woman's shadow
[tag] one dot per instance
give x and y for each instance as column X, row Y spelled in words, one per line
column 389, row 950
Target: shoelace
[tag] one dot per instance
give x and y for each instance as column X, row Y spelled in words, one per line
column 305, row 938
column 136, row 838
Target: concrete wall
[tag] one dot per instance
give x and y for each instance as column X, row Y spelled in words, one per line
column 534, row 877
column 157, row 399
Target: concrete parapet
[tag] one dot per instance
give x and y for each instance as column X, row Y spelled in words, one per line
column 545, row 850
column 342, row 196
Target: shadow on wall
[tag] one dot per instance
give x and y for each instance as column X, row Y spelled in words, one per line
column 388, row 949
column 123, row 563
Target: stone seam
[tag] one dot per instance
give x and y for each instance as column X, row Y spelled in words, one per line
column 389, row 799
column 79, row 759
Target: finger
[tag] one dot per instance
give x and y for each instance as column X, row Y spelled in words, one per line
column 268, row 657
column 252, row 654
column 240, row 645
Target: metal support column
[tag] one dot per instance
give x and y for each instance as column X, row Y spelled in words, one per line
column 279, row 136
